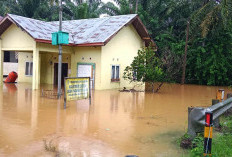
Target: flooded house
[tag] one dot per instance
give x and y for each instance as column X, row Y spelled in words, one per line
column 99, row 48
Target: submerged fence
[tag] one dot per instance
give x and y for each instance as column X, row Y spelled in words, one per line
column 51, row 94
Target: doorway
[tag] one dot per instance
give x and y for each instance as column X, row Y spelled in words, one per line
column 64, row 73
column 87, row 70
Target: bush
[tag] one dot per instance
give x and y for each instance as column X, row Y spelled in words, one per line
column 221, row 142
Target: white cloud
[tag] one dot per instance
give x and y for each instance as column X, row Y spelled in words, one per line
column 105, row 1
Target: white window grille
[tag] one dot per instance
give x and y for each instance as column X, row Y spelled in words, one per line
column 115, row 73
column 29, row 69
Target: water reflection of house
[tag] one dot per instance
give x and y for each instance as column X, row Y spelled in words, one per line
column 99, row 48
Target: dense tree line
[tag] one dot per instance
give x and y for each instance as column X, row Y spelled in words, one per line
column 208, row 45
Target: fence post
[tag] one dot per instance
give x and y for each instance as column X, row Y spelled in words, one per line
column 229, row 95
column 216, row 121
column 191, row 130
column 220, row 94
column 208, row 133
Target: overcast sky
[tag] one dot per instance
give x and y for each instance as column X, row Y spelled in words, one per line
column 105, row 1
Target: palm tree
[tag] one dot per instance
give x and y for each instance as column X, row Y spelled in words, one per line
column 213, row 14
column 83, row 10
column 124, row 7
column 26, row 8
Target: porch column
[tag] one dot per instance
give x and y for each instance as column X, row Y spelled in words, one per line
column 36, row 68
column 1, row 63
column 73, row 65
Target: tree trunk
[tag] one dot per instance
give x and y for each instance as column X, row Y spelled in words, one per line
column 136, row 6
column 159, row 87
column 185, row 54
column 152, row 85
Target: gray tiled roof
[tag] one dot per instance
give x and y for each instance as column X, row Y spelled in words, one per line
column 97, row 30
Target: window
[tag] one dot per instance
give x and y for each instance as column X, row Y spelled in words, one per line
column 29, row 69
column 115, row 73
column 11, row 56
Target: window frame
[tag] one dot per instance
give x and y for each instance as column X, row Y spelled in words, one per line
column 30, row 68
column 115, row 79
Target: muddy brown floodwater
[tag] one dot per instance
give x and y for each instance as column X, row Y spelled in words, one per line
column 115, row 125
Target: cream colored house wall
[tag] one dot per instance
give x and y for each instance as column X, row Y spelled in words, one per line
column 24, row 57
column 54, row 49
column 83, row 55
column 17, row 40
column 121, row 51
column 14, row 39
column 48, row 61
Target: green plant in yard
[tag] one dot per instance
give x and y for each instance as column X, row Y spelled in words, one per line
column 146, row 67
column 198, row 146
column 226, row 124
column 49, row 146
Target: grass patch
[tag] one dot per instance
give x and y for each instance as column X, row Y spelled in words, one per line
column 221, row 142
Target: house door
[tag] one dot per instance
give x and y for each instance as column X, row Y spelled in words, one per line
column 63, row 74
column 84, row 70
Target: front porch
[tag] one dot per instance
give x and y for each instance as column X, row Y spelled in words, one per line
column 38, row 67
column 36, row 61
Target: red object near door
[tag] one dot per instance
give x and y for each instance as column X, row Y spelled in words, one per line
column 11, row 77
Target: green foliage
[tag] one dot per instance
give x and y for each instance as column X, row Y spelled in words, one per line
column 125, row 7
column 221, row 146
column 146, row 67
column 226, row 124
column 83, row 10
column 49, row 10
column 209, row 61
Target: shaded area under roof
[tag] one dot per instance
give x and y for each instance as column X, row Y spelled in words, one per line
column 86, row 32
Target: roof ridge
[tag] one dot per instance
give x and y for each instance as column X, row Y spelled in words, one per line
column 106, row 19
column 27, row 18
column 95, row 18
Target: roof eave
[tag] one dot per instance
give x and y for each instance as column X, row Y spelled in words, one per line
column 5, row 23
column 91, row 44
column 71, row 44
column 146, row 34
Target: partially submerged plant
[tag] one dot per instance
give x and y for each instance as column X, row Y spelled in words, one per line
column 48, row 146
